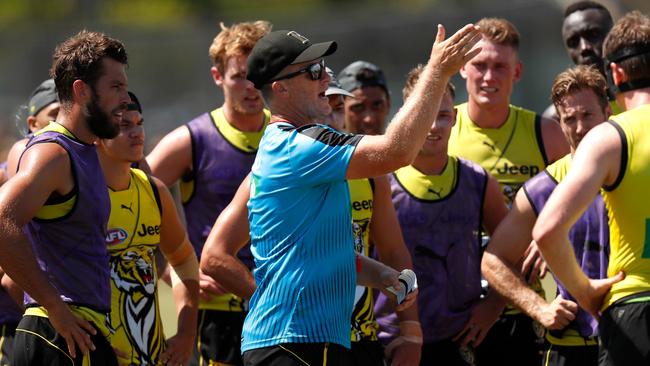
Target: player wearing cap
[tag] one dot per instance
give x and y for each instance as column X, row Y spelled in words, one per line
column 512, row 144
column 56, row 207
column 442, row 202
column 143, row 219
column 43, row 107
column 584, row 28
column 367, row 112
column 614, row 157
column 580, row 95
column 299, row 201
column 210, row 156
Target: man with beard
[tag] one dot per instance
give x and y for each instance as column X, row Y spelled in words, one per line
column 211, row 155
column 54, row 211
column 144, row 220
column 585, row 26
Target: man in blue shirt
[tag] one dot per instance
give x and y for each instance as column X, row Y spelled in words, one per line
column 300, row 222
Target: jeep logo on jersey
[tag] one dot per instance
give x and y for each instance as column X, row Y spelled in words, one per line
column 116, row 236
column 148, row 230
column 530, row 170
column 362, row 205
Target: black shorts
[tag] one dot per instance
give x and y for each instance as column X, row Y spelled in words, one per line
column 299, row 354
column 513, row 340
column 367, row 353
column 7, row 332
column 625, row 335
column 218, row 338
column 446, row 353
column 36, row 341
column 555, row 355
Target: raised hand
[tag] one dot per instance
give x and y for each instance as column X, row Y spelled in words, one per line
column 451, row 54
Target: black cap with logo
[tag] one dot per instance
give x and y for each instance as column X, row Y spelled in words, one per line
column 279, row 49
column 361, row 74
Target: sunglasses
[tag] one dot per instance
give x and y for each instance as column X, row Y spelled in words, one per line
column 315, row 72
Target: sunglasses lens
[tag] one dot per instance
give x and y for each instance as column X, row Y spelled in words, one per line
column 316, row 71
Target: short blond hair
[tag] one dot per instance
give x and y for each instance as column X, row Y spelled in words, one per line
column 236, row 40
column 412, row 78
column 577, row 78
column 499, row 31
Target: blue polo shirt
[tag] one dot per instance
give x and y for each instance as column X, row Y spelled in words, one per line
column 301, row 238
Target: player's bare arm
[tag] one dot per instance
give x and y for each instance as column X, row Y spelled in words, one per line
column 377, row 155
column 596, row 164
column 500, row 268
column 229, row 234
column 180, row 254
column 20, row 199
column 555, row 143
column 172, row 156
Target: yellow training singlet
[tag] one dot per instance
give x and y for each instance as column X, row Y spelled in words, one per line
column 133, row 238
column 512, row 153
column 628, row 208
column 364, row 326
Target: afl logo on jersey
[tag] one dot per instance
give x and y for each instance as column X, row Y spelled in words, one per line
column 116, row 236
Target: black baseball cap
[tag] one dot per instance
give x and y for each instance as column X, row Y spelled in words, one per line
column 279, row 49
column 361, row 74
column 44, row 95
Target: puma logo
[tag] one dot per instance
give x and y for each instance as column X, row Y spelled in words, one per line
column 437, row 193
column 127, row 207
column 490, row 146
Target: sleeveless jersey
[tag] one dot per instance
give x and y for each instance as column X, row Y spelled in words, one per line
column 69, row 243
column 222, row 156
column 512, row 153
column 132, row 240
column 629, row 213
column 364, row 326
column 590, row 239
column 301, row 236
column 441, row 217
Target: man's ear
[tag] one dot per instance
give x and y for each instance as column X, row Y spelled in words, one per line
column 278, row 87
column 618, row 74
column 216, row 76
column 80, row 90
column 31, row 123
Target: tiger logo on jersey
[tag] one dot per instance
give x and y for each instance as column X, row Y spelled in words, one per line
column 359, row 229
column 133, row 275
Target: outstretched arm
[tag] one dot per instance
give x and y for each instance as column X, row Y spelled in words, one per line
column 377, row 155
column 229, row 234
